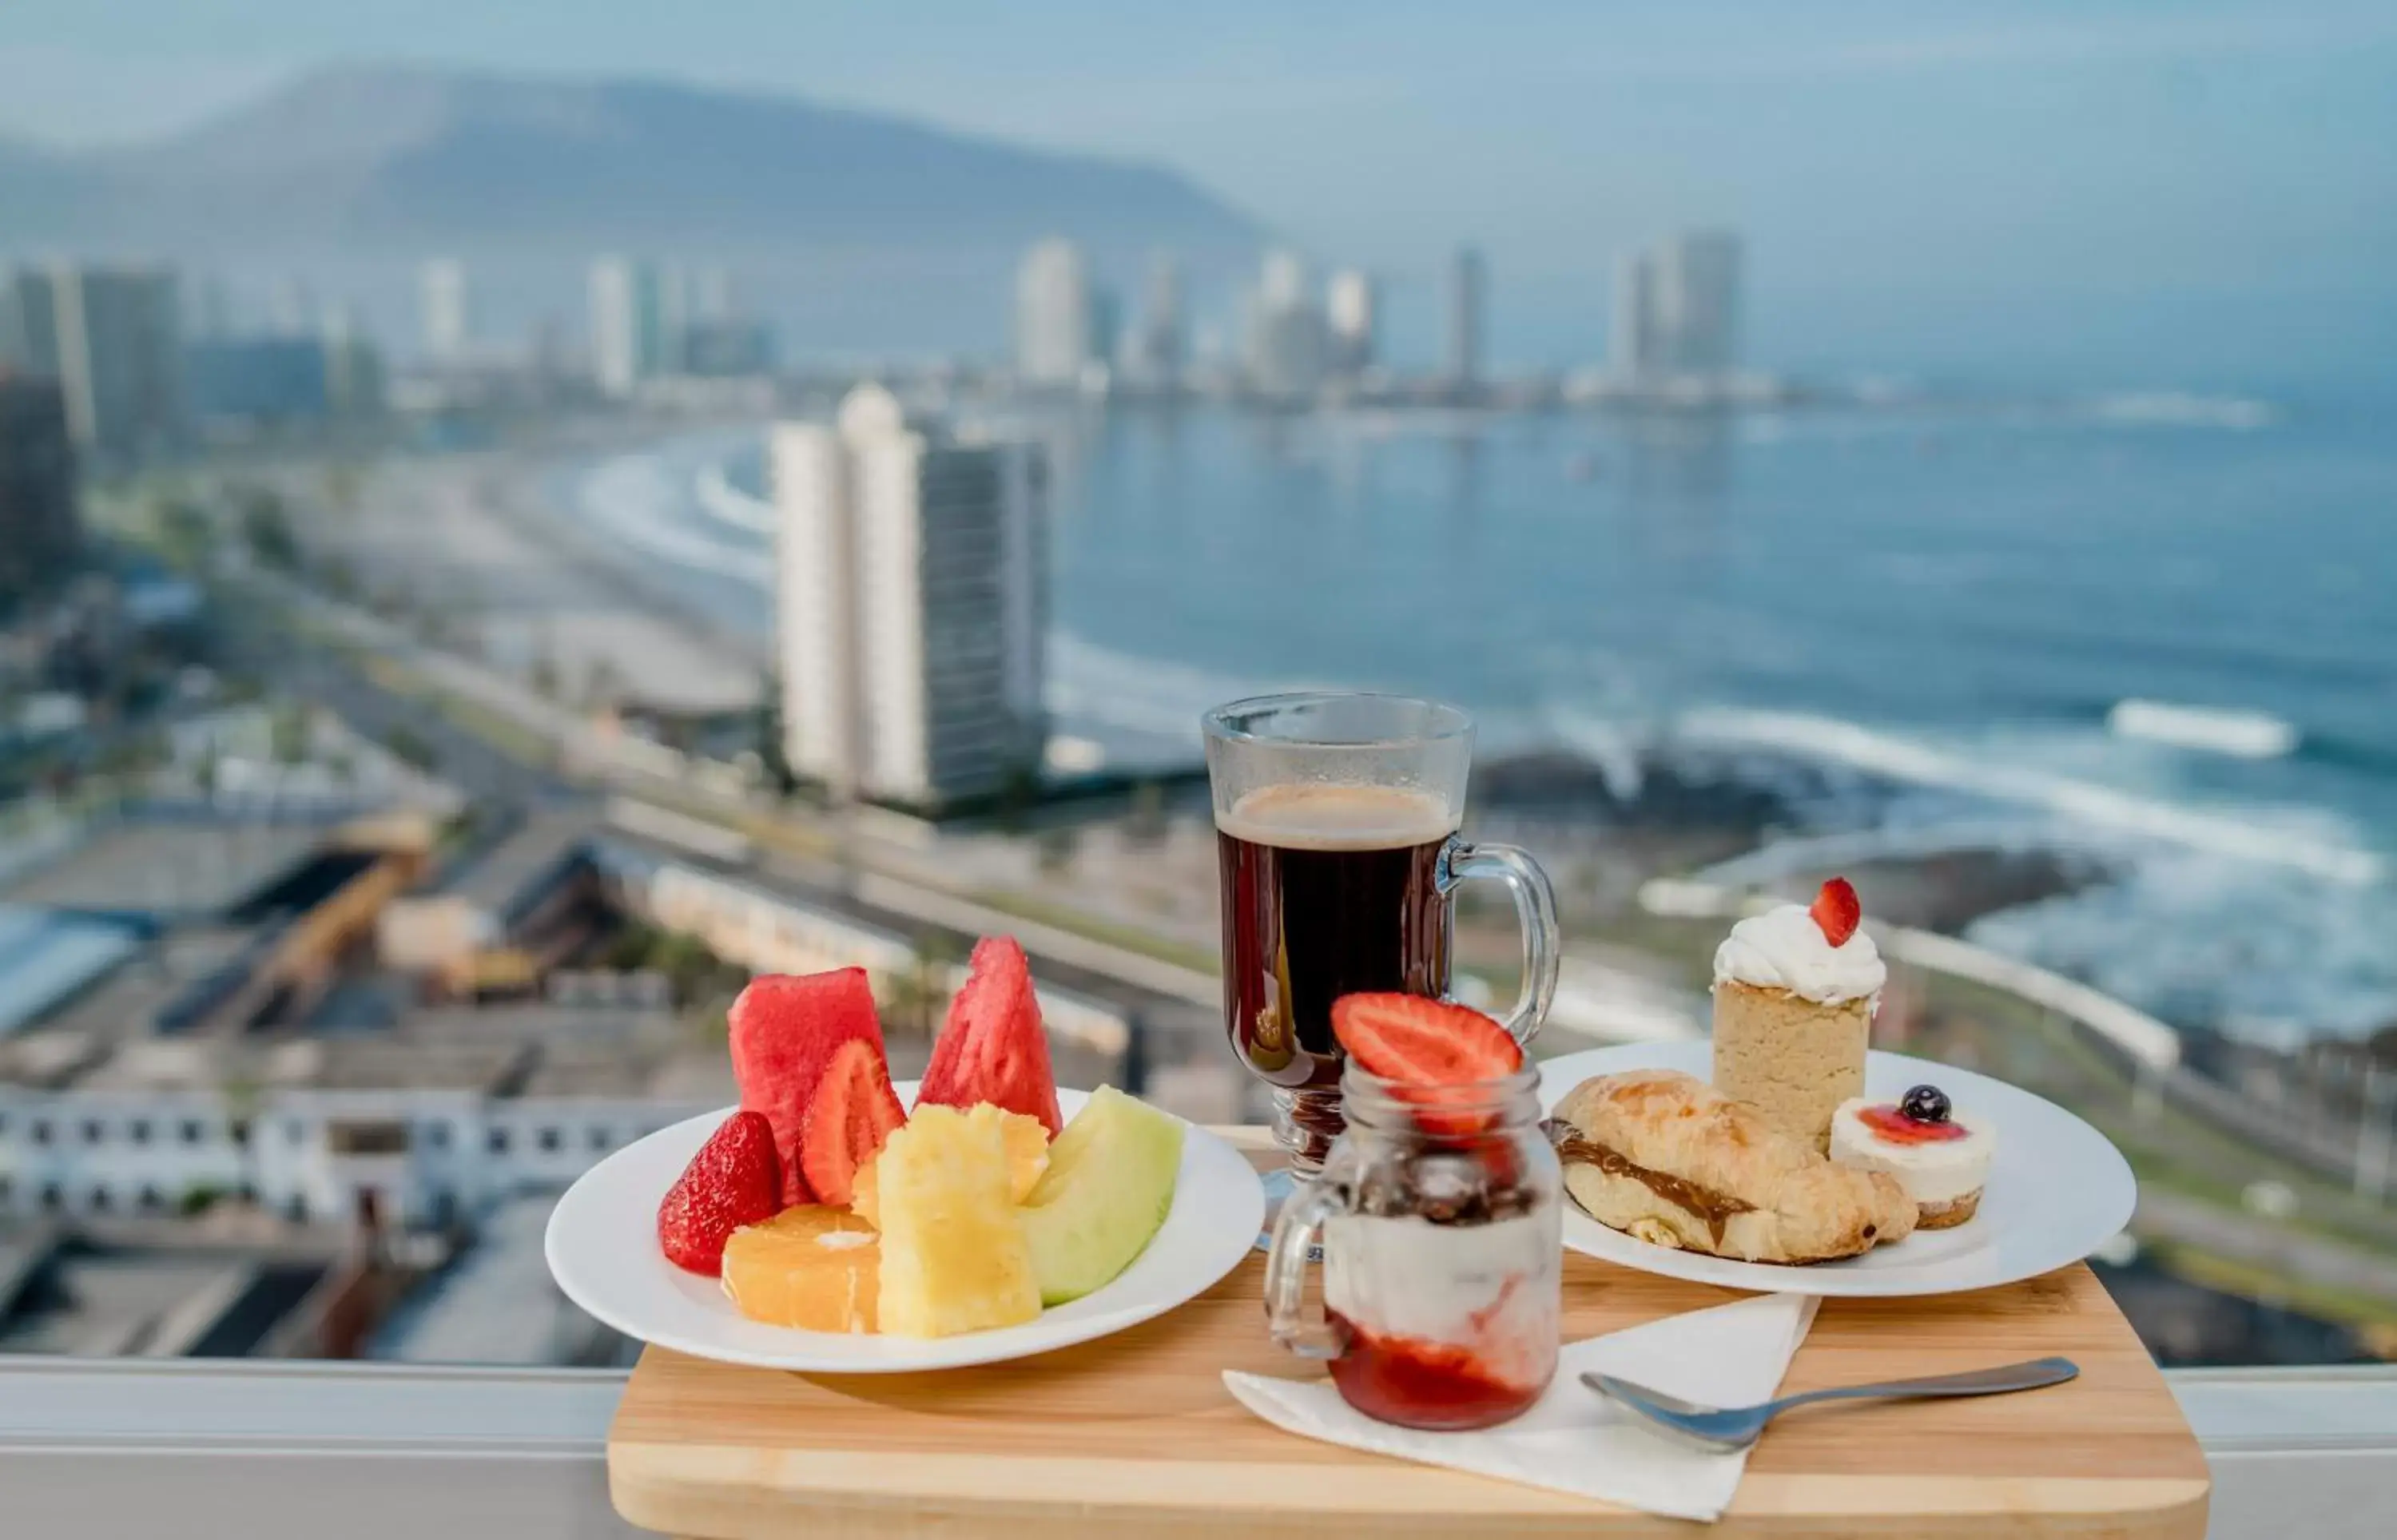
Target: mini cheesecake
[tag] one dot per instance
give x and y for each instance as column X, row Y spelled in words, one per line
column 1941, row 1159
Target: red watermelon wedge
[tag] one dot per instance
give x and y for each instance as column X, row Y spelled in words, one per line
column 785, row 1029
column 992, row 1048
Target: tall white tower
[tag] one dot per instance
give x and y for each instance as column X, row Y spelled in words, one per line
column 1157, row 343
column 912, row 604
column 1676, row 311
column 1053, row 331
column 1286, row 329
column 1696, row 300
column 447, row 309
column 1352, row 308
column 628, row 324
column 1467, row 289
column 1631, row 335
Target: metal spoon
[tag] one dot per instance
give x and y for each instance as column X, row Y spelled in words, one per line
column 1718, row 1429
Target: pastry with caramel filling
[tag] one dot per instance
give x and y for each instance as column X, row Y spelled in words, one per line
column 1666, row 1158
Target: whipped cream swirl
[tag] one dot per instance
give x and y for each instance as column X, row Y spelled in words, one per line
column 1783, row 948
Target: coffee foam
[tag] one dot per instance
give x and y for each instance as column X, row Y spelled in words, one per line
column 1314, row 815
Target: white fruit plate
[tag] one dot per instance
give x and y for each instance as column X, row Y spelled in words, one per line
column 603, row 1251
column 2057, row 1189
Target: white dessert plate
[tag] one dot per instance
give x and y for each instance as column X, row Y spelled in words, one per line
column 2057, row 1189
column 603, row 1250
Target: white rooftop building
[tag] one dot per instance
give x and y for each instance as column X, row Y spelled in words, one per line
column 433, row 1131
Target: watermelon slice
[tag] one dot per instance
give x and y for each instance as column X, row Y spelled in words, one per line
column 785, row 1029
column 994, row 1048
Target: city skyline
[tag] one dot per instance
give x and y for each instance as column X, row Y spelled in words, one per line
column 2204, row 79
column 2077, row 206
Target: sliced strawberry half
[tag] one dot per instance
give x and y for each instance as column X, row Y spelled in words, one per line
column 1419, row 1041
column 734, row 1180
column 1837, row 911
column 1432, row 1049
column 854, row 1109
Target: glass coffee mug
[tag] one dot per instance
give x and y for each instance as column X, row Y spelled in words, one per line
column 1336, row 820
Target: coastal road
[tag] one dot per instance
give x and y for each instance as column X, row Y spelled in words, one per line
column 322, row 675
column 2168, row 1215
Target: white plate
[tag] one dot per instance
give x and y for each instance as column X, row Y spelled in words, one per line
column 603, row 1251
column 2058, row 1191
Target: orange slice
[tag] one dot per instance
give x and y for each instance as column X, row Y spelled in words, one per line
column 815, row 1268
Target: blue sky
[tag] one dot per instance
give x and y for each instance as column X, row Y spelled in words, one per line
column 1925, row 152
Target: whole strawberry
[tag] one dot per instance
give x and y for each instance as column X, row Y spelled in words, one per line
column 734, row 1180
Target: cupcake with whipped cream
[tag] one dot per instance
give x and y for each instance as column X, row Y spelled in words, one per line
column 1938, row 1153
column 1795, row 991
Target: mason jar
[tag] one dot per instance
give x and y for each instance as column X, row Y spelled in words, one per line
column 1440, row 1211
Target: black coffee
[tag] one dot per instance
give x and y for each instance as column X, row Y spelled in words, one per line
column 1327, row 890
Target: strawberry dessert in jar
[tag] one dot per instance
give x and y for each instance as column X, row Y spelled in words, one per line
column 1440, row 1213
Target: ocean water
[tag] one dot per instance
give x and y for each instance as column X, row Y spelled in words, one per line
column 2159, row 628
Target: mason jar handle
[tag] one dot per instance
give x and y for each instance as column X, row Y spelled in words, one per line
column 1535, row 910
column 1302, row 1218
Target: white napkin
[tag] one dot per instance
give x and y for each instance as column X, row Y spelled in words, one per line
column 1574, row 1439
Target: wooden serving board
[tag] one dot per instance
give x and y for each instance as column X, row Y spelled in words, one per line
column 1135, row 1436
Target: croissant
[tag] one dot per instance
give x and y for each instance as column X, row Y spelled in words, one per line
column 1667, row 1158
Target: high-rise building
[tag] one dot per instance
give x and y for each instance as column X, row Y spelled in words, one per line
column 1467, row 291
column 1676, row 309
column 1053, row 331
column 1631, row 340
column 1106, row 324
column 354, row 370
column 1286, row 342
column 1353, row 310
column 678, row 309
column 448, row 308
column 111, row 338
column 912, row 605
column 39, row 532
column 628, row 324
column 1697, row 301
column 1157, row 349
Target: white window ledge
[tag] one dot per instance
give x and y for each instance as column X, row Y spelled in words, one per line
column 108, row 1447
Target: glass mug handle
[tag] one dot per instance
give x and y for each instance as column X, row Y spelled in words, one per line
column 1535, row 910
column 1293, row 1240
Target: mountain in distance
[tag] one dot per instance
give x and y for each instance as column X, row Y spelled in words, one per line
column 370, row 160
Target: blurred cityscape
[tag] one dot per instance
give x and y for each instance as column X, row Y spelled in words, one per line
column 431, row 684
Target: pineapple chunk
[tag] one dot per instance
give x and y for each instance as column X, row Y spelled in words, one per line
column 953, row 1257
column 1027, row 1158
